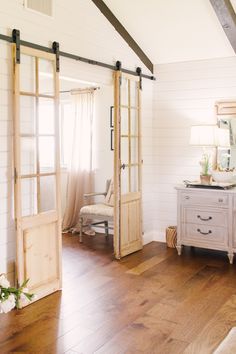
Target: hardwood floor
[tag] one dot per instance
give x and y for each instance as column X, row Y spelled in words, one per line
column 150, row 302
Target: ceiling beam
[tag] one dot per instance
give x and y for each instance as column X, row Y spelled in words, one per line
column 227, row 17
column 124, row 34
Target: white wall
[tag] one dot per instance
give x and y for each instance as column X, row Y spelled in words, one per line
column 149, row 202
column 185, row 94
column 7, row 229
column 77, row 25
column 81, row 29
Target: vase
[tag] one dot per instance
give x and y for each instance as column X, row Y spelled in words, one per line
column 206, row 179
column 171, row 236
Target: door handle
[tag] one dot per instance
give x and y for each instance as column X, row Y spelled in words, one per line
column 112, row 137
column 204, row 233
column 122, row 166
column 204, row 219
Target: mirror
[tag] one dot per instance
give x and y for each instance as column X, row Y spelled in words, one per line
column 226, row 150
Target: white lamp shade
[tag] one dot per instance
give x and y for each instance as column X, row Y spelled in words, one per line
column 204, row 135
column 223, row 138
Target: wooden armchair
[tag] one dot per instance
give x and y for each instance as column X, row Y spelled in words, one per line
column 97, row 214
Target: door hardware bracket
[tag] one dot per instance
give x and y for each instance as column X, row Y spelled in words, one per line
column 16, row 40
column 55, row 47
column 118, row 65
column 139, row 72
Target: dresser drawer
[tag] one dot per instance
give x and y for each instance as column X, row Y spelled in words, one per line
column 204, row 216
column 211, row 199
column 205, row 235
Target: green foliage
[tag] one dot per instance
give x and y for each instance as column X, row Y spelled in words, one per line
column 205, row 164
column 11, row 297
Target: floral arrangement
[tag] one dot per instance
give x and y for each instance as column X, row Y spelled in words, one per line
column 11, row 297
column 205, row 164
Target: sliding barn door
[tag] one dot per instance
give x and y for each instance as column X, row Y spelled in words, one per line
column 37, row 171
column 127, row 165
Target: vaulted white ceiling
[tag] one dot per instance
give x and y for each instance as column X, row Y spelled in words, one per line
column 173, row 30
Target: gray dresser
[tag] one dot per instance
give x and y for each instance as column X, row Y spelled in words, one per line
column 207, row 219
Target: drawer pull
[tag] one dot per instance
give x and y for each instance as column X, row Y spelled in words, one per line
column 207, row 219
column 204, row 233
column 220, row 200
column 187, row 197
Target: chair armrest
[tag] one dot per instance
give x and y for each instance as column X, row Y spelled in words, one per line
column 87, row 195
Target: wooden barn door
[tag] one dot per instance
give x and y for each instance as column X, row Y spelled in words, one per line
column 37, row 171
column 127, row 165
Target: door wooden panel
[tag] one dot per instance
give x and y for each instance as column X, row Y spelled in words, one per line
column 36, row 163
column 40, row 248
column 130, row 223
column 127, row 165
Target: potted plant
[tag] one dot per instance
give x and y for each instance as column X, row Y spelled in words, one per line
column 205, row 176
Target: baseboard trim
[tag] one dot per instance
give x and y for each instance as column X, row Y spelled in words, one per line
column 159, row 236
column 147, row 237
column 153, row 235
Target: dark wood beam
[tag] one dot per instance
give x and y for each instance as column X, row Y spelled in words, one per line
column 124, row 34
column 227, row 17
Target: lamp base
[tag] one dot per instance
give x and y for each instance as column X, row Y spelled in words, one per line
column 206, row 179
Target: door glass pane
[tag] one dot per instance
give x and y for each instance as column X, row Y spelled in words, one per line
column 29, row 196
column 28, row 156
column 134, row 150
column 27, row 115
column 46, row 77
column 125, row 180
column 47, row 193
column 124, row 150
column 134, row 93
column 124, row 121
column 27, row 73
column 134, row 172
column 46, row 116
column 124, row 92
column 47, row 154
column 134, row 122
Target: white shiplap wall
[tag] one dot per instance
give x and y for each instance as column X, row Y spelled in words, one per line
column 77, row 33
column 7, row 230
column 184, row 95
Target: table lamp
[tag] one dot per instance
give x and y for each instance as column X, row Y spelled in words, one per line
column 205, row 136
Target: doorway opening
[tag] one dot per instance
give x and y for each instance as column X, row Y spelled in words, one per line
column 88, row 149
column 86, row 158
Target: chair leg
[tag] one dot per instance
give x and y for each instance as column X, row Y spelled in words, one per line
column 106, row 228
column 81, row 230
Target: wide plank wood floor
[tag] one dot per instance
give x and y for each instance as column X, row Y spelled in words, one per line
column 150, row 302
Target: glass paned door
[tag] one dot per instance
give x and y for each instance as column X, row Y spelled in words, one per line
column 127, row 165
column 37, row 171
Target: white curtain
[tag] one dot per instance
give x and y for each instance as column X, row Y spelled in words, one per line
column 80, row 174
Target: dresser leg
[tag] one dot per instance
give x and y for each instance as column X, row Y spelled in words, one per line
column 179, row 249
column 231, row 257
